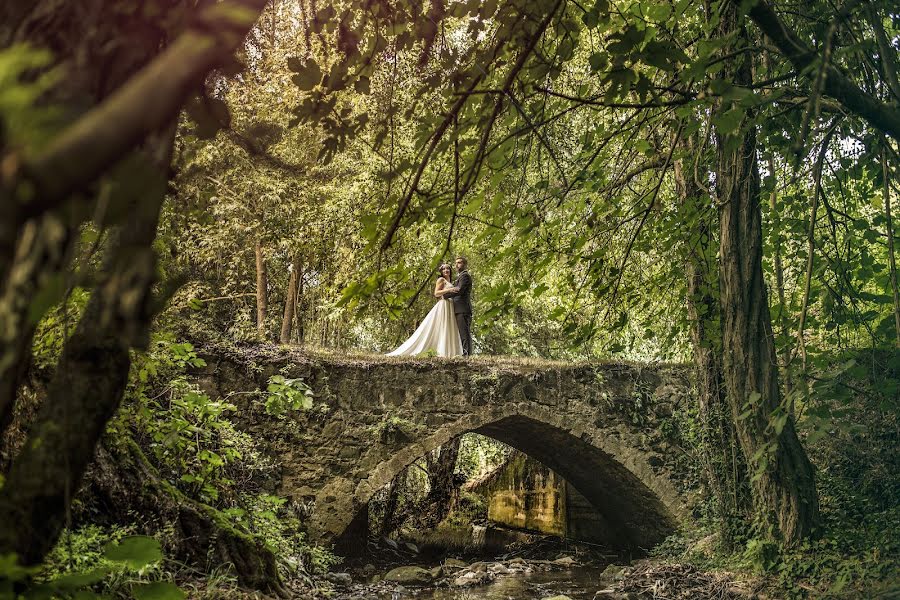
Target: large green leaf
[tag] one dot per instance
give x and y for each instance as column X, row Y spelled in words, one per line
column 157, row 590
column 136, row 551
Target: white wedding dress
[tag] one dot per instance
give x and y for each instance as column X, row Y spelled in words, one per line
column 438, row 332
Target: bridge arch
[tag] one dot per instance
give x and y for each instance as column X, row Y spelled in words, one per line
column 639, row 507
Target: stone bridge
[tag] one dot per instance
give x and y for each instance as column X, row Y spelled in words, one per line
column 611, row 429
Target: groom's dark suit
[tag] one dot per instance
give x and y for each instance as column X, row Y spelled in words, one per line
column 462, row 308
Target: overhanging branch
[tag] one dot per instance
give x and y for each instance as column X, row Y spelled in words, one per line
column 838, row 85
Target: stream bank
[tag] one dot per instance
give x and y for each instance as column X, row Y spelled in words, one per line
column 534, row 567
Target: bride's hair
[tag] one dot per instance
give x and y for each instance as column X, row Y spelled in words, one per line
column 445, row 266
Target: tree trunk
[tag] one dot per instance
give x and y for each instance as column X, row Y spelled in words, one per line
column 88, row 384
column 443, row 490
column 125, row 484
column 261, row 288
column 783, row 478
column 298, row 312
column 290, row 300
column 724, row 462
column 389, row 522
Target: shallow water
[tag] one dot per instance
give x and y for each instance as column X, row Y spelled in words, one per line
column 579, row 583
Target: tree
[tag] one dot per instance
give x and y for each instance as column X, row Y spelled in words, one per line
column 92, row 370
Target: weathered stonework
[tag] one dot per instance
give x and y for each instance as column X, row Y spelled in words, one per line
column 597, row 425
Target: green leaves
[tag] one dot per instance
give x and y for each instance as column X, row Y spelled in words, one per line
column 136, row 551
column 287, row 395
column 729, row 121
column 308, row 74
column 157, row 590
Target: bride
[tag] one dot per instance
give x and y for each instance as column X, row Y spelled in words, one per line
column 438, row 330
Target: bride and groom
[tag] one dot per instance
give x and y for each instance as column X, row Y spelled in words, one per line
column 447, row 329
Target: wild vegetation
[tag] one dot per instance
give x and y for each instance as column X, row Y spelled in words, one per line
column 677, row 180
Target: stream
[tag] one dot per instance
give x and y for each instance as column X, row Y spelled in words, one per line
column 577, row 583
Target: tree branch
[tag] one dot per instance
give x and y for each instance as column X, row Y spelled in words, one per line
column 839, row 86
column 144, row 104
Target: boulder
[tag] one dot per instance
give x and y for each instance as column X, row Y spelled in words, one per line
column 470, row 578
column 455, row 564
column 564, row 561
column 340, row 579
column 409, row 576
column 613, row 573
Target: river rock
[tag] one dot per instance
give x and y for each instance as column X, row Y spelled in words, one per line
column 613, row 573
column 559, row 597
column 565, row 561
column 409, row 575
column 498, row 569
column 455, row 564
column 436, row 572
column 368, row 570
column 470, row 578
column 340, row 579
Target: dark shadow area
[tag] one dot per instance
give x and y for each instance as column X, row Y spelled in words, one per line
column 556, row 485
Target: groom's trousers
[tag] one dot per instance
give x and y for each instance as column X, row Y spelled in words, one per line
column 464, row 323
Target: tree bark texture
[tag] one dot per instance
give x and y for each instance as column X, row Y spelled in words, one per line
column 723, row 459
column 443, row 489
column 262, row 283
column 35, row 252
column 89, row 382
column 784, row 488
column 290, row 299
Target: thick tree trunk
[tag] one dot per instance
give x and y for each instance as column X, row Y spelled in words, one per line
column 783, row 478
column 261, row 288
column 43, row 251
column 390, row 521
column 88, row 385
column 723, row 459
column 443, row 490
column 290, row 299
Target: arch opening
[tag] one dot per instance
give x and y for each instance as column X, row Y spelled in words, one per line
column 635, row 517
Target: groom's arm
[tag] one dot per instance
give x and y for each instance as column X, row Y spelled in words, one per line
column 465, row 284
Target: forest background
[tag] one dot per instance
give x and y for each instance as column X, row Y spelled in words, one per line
column 631, row 180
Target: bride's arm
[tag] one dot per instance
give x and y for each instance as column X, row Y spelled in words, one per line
column 440, row 289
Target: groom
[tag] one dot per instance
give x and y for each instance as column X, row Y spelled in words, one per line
column 462, row 304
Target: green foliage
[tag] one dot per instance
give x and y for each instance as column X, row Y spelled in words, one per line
column 287, row 395
column 53, row 328
column 25, row 122
column 469, row 509
column 92, row 562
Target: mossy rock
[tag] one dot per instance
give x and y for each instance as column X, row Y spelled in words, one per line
column 409, row 576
